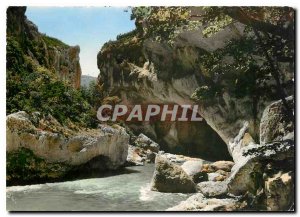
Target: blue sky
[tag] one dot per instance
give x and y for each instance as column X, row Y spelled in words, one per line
column 88, row 27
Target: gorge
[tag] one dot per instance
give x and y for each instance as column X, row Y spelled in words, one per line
column 239, row 158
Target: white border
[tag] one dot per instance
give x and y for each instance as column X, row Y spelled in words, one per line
column 5, row 3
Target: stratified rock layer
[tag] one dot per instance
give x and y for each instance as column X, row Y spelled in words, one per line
column 64, row 146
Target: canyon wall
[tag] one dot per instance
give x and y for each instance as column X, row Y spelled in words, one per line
column 61, row 59
column 141, row 69
column 51, row 128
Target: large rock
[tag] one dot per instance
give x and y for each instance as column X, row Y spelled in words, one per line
column 145, row 142
column 279, row 192
column 192, row 167
column 212, row 189
column 247, row 173
column 199, row 202
column 133, row 157
column 70, row 148
column 274, row 124
column 169, row 177
column 221, row 165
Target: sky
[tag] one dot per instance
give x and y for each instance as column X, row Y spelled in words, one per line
column 88, row 27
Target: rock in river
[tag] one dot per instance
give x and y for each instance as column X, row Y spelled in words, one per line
column 169, row 177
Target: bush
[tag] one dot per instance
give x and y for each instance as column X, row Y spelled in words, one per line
column 32, row 87
column 54, row 42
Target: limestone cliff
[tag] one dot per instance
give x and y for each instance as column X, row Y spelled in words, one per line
column 167, row 72
column 61, row 59
column 40, row 149
column 51, row 129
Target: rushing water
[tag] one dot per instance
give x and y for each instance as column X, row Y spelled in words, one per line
column 124, row 192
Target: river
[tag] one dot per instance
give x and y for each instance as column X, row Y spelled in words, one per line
column 127, row 191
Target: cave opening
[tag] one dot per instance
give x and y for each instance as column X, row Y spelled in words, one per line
column 193, row 139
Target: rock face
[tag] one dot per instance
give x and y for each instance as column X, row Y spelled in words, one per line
column 199, row 202
column 134, row 156
column 274, row 125
column 57, row 144
column 146, row 143
column 261, row 176
column 170, row 74
column 260, row 166
column 65, row 62
column 278, row 192
column 169, row 177
column 192, row 167
column 142, row 150
column 212, row 188
column 49, row 52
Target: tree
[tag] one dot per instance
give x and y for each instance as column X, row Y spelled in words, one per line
column 258, row 55
column 273, row 29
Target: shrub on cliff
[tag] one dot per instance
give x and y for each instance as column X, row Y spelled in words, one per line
column 24, row 167
column 33, row 87
column 254, row 63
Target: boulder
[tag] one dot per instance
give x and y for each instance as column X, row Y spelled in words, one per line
column 150, row 156
column 169, row 177
column 247, row 174
column 251, row 160
column 274, row 124
column 192, row 167
column 212, row 189
column 212, row 176
column 217, row 169
column 144, row 142
column 279, row 192
column 133, row 157
column 222, row 165
column 198, row 202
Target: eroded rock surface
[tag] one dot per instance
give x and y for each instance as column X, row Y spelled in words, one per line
column 199, row 202
column 58, row 144
column 169, row 177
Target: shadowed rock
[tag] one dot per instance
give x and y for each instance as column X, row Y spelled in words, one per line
column 169, row 177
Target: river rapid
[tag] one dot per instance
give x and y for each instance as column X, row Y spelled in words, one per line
column 127, row 191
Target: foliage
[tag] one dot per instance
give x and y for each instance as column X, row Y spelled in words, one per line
column 32, row 87
column 111, row 100
column 160, row 23
column 127, row 35
column 248, row 64
column 127, row 49
column 54, row 42
column 22, row 166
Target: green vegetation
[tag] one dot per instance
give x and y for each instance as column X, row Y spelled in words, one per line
column 54, row 42
column 23, row 167
column 127, row 35
column 252, row 64
column 33, row 87
column 160, row 23
column 127, row 49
